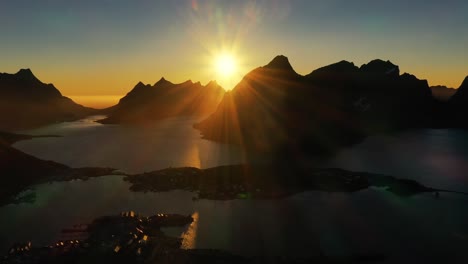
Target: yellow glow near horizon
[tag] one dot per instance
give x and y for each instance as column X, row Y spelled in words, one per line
column 226, row 65
column 96, row 101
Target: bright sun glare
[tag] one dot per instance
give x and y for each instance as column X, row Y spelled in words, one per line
column 226, row 65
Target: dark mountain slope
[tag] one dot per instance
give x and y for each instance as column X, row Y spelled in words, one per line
column 460, row 98
column 273, row 107
column 146, row 103
column 19, row 170
column 458, row 107
column 253, row 113
column 26, row 102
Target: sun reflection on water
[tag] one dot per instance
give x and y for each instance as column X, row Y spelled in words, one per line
column 190, row 235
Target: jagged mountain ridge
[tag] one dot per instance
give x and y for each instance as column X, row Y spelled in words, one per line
column 332, row 106
column 26, row 102
column 147, row 103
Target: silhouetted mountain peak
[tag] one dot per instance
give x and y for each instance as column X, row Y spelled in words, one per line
column 339, row 67
column 162, row 81
column 26, row 71
column 409, row 76
column 346, row 64
column 24, row 84
column 280, row 62
column 188, row 82
column 412, row 81
column 33, row 102
column 212, row 83
column 25, row 74
column 381, row 67
column 461, row 95
column 146, row 103
column 464, row 84
column 140, row 85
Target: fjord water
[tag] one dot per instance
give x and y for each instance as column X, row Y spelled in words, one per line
column 171, row 142
column 371, row 221
column 308, row 224
column 437, row 158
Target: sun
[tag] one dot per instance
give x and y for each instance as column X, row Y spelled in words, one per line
column 226, row 65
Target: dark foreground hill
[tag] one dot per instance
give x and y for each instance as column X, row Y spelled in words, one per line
column 26, row 102
column 146, row 103
column 274, row 109
column 19, row 170
column 458, row 107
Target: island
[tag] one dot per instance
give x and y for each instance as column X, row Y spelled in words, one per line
column 249, row 181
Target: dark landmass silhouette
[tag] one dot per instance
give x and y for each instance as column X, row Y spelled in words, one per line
column 261, row 181
column 457, row 109
column 134, row 238
column 442, row 93
column 20, row 170
column 275, row 110
column 7, row 138
column 146, row 103
column 26, row 102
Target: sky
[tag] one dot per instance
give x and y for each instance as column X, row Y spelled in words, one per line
column 104, row 47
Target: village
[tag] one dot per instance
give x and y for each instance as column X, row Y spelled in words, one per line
column 125, row 238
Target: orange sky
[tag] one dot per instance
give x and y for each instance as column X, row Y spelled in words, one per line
column 103, row 48
column 110, row 84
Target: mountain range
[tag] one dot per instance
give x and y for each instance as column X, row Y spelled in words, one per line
column 26, row 102
column 270, row 109
column 274, row 109
column 146, row 103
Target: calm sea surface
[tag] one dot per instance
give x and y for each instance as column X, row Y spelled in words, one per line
column 133, row 148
